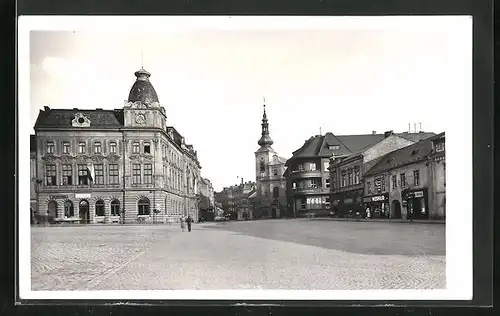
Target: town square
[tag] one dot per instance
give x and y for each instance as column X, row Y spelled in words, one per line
column 294, row 254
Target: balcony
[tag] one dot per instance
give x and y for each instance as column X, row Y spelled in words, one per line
column 311, row 190
column 298, row 174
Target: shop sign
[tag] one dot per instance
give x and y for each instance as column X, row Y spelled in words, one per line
column 83, row 196
column 378, row 198
column 367, row 199
column 348, row 201
column 419, row 194
column 55, row 197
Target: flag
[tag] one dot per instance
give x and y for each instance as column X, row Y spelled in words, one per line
column 90, row 172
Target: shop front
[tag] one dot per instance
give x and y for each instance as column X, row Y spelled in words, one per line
column 416, row 203
column 348, row 202
column 378, row 205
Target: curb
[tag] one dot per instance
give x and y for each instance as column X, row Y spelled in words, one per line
column 383, row 220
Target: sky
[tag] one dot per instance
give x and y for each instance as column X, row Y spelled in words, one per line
column 212, row 80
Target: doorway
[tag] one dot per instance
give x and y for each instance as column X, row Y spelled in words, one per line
column 396, row 207
column 84, row 212
column 273, row 213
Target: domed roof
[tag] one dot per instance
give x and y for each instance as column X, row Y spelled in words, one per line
column 142, row 90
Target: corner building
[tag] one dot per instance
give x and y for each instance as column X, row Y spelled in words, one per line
column 125, row 165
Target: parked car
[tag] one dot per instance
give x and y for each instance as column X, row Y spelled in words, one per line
column 219, row 218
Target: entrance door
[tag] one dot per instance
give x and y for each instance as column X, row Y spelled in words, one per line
column 273, row 213
column 84, row 212
column 396, row 207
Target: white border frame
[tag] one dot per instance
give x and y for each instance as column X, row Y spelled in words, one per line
column 458, row 142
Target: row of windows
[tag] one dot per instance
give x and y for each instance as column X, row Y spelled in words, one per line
column 82, row 147
column 311, row 184
column 380, row 185
column 350, row 177
column 69, row 209
column 172, row 156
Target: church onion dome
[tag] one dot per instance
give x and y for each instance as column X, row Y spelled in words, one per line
column 265, row 139
column 142, row 90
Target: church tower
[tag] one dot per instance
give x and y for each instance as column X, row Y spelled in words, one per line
column 269, row 169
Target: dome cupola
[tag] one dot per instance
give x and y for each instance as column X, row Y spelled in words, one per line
column 142, row 90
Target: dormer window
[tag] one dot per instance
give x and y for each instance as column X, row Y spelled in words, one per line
column 414, row 152
column 82, row 147
column 135, row 148
column 66, row 147
column 147, row 148
column 439, row 147
column 334, row 147
column 50, row 147
column 112, row 147
column 275, row 172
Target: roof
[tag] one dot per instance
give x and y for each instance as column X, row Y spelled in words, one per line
column 142, row 90
column 318, row 146
column 64, row 117
column 401, row 157
column 32, row 143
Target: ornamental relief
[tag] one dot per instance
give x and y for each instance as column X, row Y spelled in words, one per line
column 97, row 157
column 113, row 157
column 66, row 158
column 49, row 157
column 82, row 158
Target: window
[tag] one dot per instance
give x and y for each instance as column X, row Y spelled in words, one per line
column 275, row 172
column 439, row 147
column 148, row 171
column 50, row 147
column 115, row 208
column 97, row 148
column 312, row 166
column 82, row 147
column 326, row 165
column 334, row 147
column 403, row 180
column 136, row 173
column 383, row 183
column 112, row 148
column 369, row 187
column 314, row 183
column 350, row 177
column 416, row 178
column 343, row 179
column 394, row 181
column 83, row 175
column 135, row 148
column 327, row 202
column 66, row 147
column 356, row 175
column 147, row 148
column 113, row 174
column 294, row 185
column 50, row 175
column 99, row 208
column 143, row 207
column 99, row 174
column 67, row 172
column 69, row 210
column 276, row 192
column 262, row 165
column 301, row 167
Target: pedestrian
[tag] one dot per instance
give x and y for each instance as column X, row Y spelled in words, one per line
column 182, row 223
column 368, row 213
column 189, row 220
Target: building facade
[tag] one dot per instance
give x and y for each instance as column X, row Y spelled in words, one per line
column 236, row 200
column 308, row 170
column 124, row 165
column 346, row 175
column 206, row 200
column 270, row 199
column 409, row 182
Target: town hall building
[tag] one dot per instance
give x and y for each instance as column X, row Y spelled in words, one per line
column 124, row 165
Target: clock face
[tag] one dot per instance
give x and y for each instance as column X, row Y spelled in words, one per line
column 140, row 119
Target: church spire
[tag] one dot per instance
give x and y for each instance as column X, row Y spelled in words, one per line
column 265, row 140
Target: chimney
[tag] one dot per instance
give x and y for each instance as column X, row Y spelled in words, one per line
column 374, row 132
column 46, row 108
column 419, row 127
column 241, row 180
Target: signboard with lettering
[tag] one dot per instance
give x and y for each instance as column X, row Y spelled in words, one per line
column 83, row 196
column 55, row 197
column 378, row 198
column 419, row 194
column 348, row 201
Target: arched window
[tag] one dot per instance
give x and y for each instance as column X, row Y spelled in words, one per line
column 143, row 206
column 115, row 208
column 262, row 165
column 52, row 208
column 99, row 208
column 276, row 192
column 69, row 210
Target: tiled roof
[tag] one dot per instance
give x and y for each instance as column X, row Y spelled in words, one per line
column 318, row 146
column 63, row 117
column 404, row 156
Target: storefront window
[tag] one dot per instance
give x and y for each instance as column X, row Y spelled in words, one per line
column 369, row 187
column 356, row 175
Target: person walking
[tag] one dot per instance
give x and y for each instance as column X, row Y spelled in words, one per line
column 181, row 219
column 189, row 220
column 368, row 213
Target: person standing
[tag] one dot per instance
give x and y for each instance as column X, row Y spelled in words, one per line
column 189, row 220
column 368, row 214
column 182, row 223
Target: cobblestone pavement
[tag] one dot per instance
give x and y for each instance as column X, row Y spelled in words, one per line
column 275, row 254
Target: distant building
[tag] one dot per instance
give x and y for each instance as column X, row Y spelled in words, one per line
column 347, row 172
column 206, row 200
column 410, row 181
column 235, row 200
column 123, row 165
column 308, row 170
column 270, row 196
